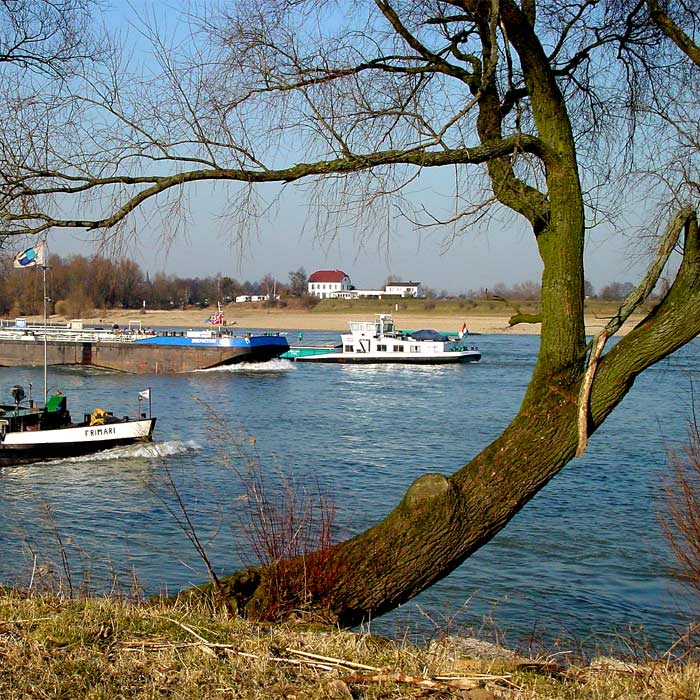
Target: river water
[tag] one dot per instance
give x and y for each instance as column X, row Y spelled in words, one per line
column 584, row 558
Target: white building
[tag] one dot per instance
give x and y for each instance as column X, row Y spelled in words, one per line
column 257, row 297
column 335, row 284
column 404, row 289
column 325, row 284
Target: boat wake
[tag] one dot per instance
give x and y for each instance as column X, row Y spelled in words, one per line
column 276, row 365
column 148, row 450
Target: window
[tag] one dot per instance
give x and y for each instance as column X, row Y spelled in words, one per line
column 415, row 348
column 349, row 348
column 381, row 348
column 398, row 348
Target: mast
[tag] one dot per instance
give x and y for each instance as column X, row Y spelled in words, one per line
column 43, row 272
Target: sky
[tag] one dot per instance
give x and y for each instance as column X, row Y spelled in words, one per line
column 481, row 257
column 286, row 240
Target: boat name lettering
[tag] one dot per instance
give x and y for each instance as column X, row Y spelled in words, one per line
column 204, row 340
column 99, row 432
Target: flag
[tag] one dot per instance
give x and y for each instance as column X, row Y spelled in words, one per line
column 464, row 330
column 31, row 257
column 145, row 394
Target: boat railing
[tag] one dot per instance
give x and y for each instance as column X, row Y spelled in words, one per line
column 62, row 333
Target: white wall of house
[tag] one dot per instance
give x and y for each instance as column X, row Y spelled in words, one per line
column 343, row 290
column 405, row 289
column 325, row 290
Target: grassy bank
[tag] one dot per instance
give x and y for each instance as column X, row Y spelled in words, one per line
column 451, row 307
column 98, row 648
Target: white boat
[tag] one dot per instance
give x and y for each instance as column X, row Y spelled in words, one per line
column 33, row 433
column 373, row 342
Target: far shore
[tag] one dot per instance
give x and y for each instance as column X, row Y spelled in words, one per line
column 286, row 319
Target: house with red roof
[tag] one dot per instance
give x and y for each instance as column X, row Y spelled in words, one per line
column 327, row 283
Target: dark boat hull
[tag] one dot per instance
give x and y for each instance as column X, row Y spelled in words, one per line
column 135, row 358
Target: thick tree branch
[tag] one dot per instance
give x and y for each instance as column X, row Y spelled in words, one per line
column 674, row 32
column 670, row 325
column 518, row 317
column 159, row 184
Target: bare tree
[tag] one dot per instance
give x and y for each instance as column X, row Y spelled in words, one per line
column 534, row 106
column 298, row 281
column 45, row 45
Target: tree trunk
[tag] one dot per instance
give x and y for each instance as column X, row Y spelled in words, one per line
column 442, row 520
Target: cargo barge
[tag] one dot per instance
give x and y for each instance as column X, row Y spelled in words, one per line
column 134, row 350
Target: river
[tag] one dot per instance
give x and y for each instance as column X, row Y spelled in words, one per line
column 585, row 559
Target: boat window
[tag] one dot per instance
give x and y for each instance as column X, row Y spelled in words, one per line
column 398, row 348
column 415, row 348
column 381, row 348
column 349, row 348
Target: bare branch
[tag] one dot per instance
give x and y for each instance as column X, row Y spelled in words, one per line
column 159, row 184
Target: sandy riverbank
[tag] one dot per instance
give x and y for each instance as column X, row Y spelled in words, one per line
column 295, row 320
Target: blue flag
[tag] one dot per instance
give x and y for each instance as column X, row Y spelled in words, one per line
column 31, row 257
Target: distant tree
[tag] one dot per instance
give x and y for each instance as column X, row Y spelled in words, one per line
column 163, row 292
column 229, row 287
column 298, row 282
column 616, row 291
column 588, row 289
column 525, row 291
column 268, row 284
column 128, row 288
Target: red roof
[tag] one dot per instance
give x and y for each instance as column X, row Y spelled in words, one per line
column 327, row 276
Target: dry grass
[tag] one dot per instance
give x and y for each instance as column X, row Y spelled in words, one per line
column 100, row 648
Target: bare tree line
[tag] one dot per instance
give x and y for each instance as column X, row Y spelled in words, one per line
column 78, row 284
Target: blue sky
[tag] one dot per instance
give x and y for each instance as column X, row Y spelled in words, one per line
column 502, row 251
column 479, row 258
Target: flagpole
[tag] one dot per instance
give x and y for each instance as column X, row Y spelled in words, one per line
column 43, row 270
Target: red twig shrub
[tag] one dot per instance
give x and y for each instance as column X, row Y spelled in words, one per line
column 290, row 533
column 680, row 518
